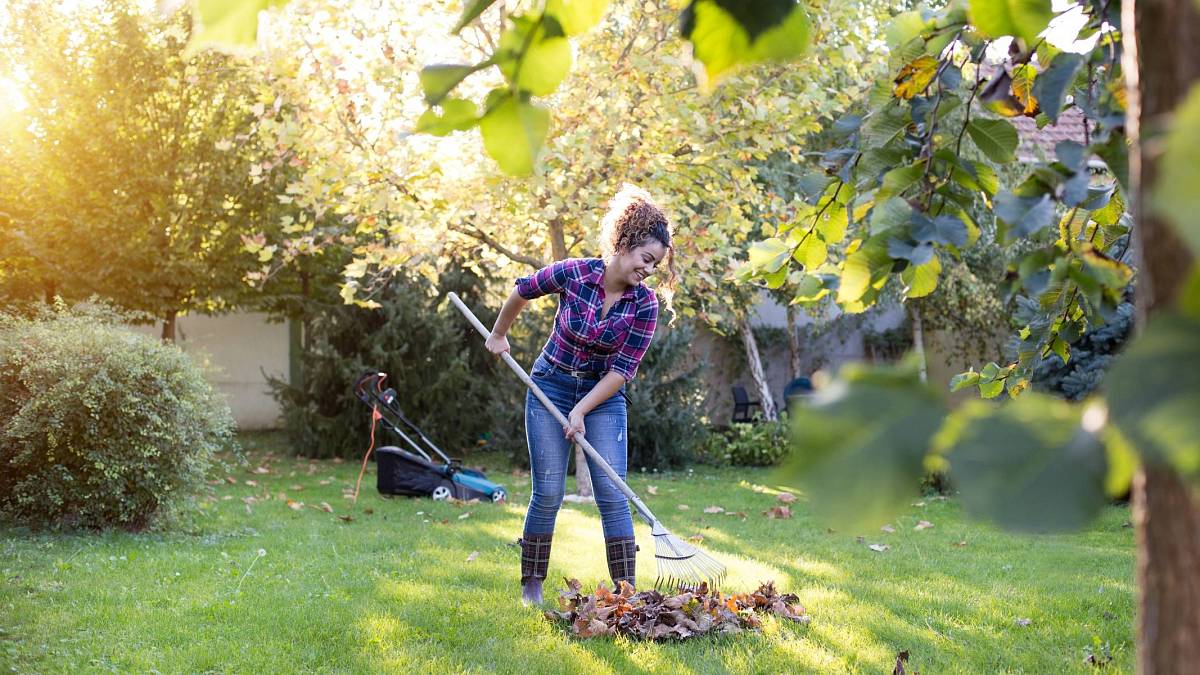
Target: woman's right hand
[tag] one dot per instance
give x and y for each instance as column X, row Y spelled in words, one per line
column 496, row 344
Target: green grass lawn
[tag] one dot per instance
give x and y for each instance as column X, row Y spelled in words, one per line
column 414, row 585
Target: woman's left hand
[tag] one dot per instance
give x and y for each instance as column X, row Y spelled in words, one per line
column 574, row 424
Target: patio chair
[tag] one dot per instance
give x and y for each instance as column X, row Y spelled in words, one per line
column 742, row 404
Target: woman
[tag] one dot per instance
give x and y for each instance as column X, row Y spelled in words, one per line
column 605, row 321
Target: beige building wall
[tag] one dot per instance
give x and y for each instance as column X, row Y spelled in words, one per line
column 239, row 351
column 726, row 363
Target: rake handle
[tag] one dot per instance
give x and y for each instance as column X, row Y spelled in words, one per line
column 642, row 509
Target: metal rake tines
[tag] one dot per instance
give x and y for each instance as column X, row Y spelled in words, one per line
column 682, row 566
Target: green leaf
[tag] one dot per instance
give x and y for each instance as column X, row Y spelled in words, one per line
column 809, row 290
column 438, row 80
column 991, row 388
column 896, row 181
column 891, row 213
column 1026, row 465
column 864, row 267
column 964, row 380
column 457, row 115
column 1024, row 215
column 577, row 16
column 1177, row 191
column 1020, row 18
column 513, row 134
column 1122, row 462
column 1052, row 83
column 921, row 280
column 728, row 33
column 1154, row 393
column 904, row 27
column 995, row 138
column 546, row 59
column 811, row 252
column 944, row 230
column 769, row 255
column 471, row 10
column 831, row 224
column 860, row 443
column 228, row 22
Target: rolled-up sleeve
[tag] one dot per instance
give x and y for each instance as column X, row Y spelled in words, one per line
column 641, row 332
column 550, row 279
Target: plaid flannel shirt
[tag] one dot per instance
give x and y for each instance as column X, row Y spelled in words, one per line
column 581, row 340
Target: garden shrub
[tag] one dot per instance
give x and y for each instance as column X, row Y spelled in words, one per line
column 100, row 426
column 434, row 359
column 666, row 411
column 1091, row 356
column 749, row 444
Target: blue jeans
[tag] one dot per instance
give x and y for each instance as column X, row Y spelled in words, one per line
column 549, row 450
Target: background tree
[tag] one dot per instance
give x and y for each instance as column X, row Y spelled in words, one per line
column 134, row 164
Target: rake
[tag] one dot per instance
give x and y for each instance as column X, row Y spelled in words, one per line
column 680, row 565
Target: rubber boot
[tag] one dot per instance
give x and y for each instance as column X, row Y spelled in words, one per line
column 535, row 558
column 622, row 560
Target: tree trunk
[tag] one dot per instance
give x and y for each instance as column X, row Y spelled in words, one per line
column 793, row 342
column 918, row 334
column 168, row 326
column 583, row 479
column 1160, row 69
column 756, row 369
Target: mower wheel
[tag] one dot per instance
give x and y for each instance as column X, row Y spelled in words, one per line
column 499, row 496
column 441, row 493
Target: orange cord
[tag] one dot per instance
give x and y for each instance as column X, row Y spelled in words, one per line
column 375, row 417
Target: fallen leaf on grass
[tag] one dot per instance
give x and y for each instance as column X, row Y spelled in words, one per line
column 295, row 505
column 651, row 615
column 261, row 470
column 1024, row 621
column 684, row 507
column 369, row 511
column 923, row 525
column 918, row 503
column 250, row 500
column 959, row 543
column 346, row 519
column 465, row 515
column 696, row 538
column 879, row 548
column 714, row 509
column 786, row 497
column 652, row 489
column 325, row 482
column 324, row 506
column 778, row 512
column 252, row 483
column 739, row 514
column 473, row 556
column 231, row 480
column 296, row 488
column 889, row 529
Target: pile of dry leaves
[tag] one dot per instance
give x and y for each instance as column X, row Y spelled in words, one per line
column 650, row 615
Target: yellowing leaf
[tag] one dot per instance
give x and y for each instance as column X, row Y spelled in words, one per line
column 1022, row 87
column 915, row 77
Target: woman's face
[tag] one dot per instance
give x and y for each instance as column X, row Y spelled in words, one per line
column 637, row 263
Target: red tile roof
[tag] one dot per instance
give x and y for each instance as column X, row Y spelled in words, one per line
column 1038, row 144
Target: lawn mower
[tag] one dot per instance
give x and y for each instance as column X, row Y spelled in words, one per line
column 416, row 473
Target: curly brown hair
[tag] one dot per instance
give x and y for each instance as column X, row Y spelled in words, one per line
column 633, row 218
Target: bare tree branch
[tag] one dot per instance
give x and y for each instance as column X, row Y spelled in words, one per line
column 477, row 233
